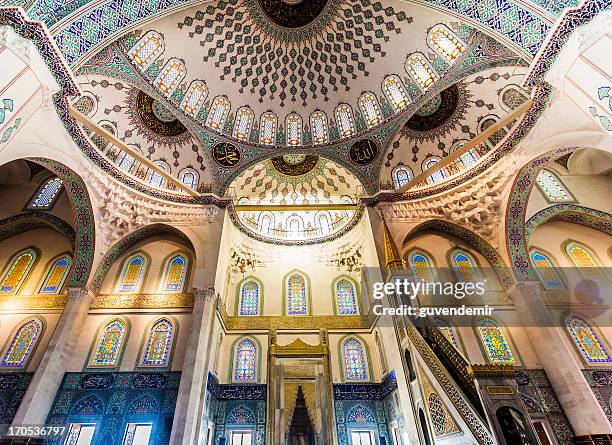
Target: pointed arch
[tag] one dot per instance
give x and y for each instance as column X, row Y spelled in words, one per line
column 22, row 342
column 158, row 343
column 319, row 128
column 547, row 271
column 55, row 277
column 586, row 340
column 346, row 297
column 401, row 175
column 448, row 331
column 133, row 271
column 147, row 50
column 17, row 270
column 296, row 293
column 585, row 260
column 395, row 92
column 464, row 263
column 552, row 188
column 360, row 414
column 421, row 262
column 368, row 103
column 189, row 177
column 109, row 344
column 267, row 128
column 47, row 194
column 194, row 99
column 445, row 42
column 494, row 341
column 355, row 359
column 293, row 125
column 345, row 120
column 175, row 272
column 249, row 297
column 246, row 360
column 241, row 415
column 170, row 76
column 218, row 113
column 243, row 123
column 418, row 67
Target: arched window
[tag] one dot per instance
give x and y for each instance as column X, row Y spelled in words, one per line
column 243, row 123
column 295, row 226
column 22, row 344
column 355, row 361
column 294, row 129
column 401, row 176
column 395, row 92
column 195, row 97
column 126, row 161
column 249, row 298
column 318, row 127
column 174, row 274
column 421, row 71
column 495, row 343
column 155, row 179
column 324, row 222
column 189, row 177
column 436, row 176
column 584, row 259
column 147, row 49
column 170, row 76
column 445, row 42
column 218, row 113
column 421, row 265
column 17, row 270
column 496, row 137
column 297, row 294
column 56, row 275
column 464, row 265
column 512, row 97
column 553, row 190
column 133, row 272
column 344, row 119
column 158, row 346
column 370, row 109
column 87, row 104
column 587, row 341
column 468, row 158
column 266, row 223
column 245, row 361
column 46, row 194
column 447, row 330
column 346, row 297
column 545, row 269
column 267, row 128
column 109, row 345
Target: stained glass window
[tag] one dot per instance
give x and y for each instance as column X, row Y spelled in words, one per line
column 22, row 344
column 421, row 265
column 294, row 129
column 54, row 280
column 17, row 271
column 445, row 42
column 170, row 76
column 249, row 298
column 297, row 303
column 132, row 274
column 46, row 194
column 174, row 275
column 127, row 162
column 468, row 158
column 324, row 223
column 245, row 361
column 218, row 113
column 266, row 223
column 355, row 365
column 395, row 92
column 318, row 127
column 551, row 187
column 446, row 330
column 587, row 341
column 156, row 179
column 242, row 125
column 421, row 71
column 189, row 177
column 464, row 265
column 436, row 176
column 346, row 297
column 545, row 269
column 512, row 98
column 584, row 259
column 147, row 49
column 370, row 109
column 107, row 352
column 401, row 176
column 267, row 128
column 344, row 119
column 495, row 343
column 159, row 343
column 195, row 97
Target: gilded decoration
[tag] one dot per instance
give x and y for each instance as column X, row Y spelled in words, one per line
column 14, row 302
column 143, row 301
column 443, row 422
column 293, row 322
column 298, row 347
column 363, row 152
column 157, row 118
column 299, row 372
column 294, row 165
column 226, row 154
column 494, row 371
column 496, row 390
column 309, row 392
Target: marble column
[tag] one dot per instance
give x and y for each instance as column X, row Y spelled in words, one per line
column 190, row 400
column 573, row 391
column 40, row 395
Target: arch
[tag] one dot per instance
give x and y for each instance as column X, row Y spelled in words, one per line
column 551, row 187
column 175, row 272
column 17, row 270
column 429, row 162
column 87, row 104
column 143, row 405
column 354, row 359
column 243, row 123
column 395, row 92
column 194, row 99
column 422, row 263
column 448, row 331
column 246, row 360
column 496, row 346
column 55, row 276
column 170, row 76
column 496, row 137
column 46, row 195
column 464, row 264
column 445, row 42
column 319, row 127
column 546, row 268
column 360, row 414
column 296, row 293
column 125, row 244
column 189, row 177
column 267, row 128
column 266, row 222
column 241, row 415
column 154, row 178
column 109, row 344
column 323, row 220
column 132, row 273
column 89, row 405
column 158, row 343
column 249, row 297
column 401, row 175
column 585, row 260
column 293, row 127
column 345, row 120
column 586, row 340
column 147, row 50
column 370, row 109
column 572, row 213
column 512, row 96
column 472, row 239
column 24, row 222
column 420, row 70
column 346, row 296
column 21, row 344
column 218, row 113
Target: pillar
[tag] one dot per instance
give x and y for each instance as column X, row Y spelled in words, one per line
column 47, row 379
column 194, row 375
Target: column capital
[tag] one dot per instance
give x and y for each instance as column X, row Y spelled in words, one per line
column 80, row 294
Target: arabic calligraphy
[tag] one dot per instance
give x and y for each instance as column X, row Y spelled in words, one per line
column 363, row 152
column 226, row 154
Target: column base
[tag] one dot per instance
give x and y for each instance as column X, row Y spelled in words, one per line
column 593, row 439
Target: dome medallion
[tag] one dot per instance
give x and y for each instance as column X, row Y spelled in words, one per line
column 292, row 13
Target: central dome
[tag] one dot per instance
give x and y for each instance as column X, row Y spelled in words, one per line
column 292, row 13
